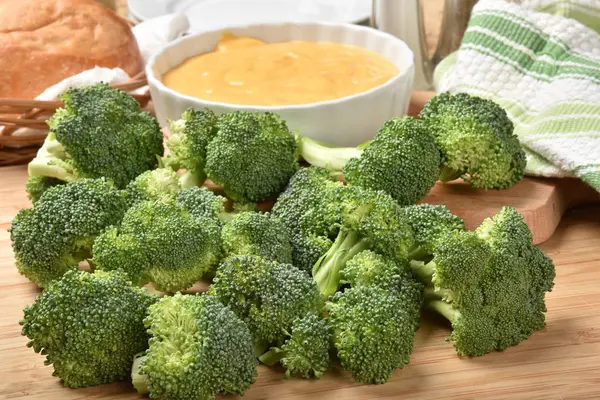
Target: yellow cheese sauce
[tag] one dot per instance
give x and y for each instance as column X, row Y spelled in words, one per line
column 247, row 71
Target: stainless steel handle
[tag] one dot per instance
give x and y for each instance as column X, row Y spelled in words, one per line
column 404, row 19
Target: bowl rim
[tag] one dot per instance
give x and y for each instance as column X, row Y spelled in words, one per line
column 157, row 83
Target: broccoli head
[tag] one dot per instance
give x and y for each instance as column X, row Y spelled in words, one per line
column 202, row 203
column 374, row 329
column 187, row 144
column 89, row 326
column 252, row 156
column 305, row 352
column 369, row 268
column 371, row 220
column 100, row 132
column 58, row 232
column 402, row 160
column 490, row 284
column 158, row 184
column 37, row 185
column 251, row 233
column 198, row 349
column 265, row 294
column 159, row 242
column 429, row 223
column 476, row 139
column 310, row 208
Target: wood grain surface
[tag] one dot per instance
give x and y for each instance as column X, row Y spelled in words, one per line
column 561, row 361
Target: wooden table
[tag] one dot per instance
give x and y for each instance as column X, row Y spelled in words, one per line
column 559, row 362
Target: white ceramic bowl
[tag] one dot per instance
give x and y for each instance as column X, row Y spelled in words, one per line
column 347, row 121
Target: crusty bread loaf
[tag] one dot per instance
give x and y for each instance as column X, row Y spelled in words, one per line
column 45, row 41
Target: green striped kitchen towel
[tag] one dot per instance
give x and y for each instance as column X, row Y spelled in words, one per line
column 540, row 60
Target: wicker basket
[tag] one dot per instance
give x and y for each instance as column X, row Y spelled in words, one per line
column 20, row 113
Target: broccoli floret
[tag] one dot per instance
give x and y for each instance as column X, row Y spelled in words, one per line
column 187, row 145
column 199, row 348
column 37, row 185
column 251, row 233
column 369, row 268
column 476, row 139
column 58, row 232
column 158, row 184
column 265, row 294
column 371, row 220
column 305, row 352
column 490, row 284
column 429, row 223
column 159, row 242
column 253, row 155
column 401, row 160
column 374, row 329
column 100, row 132
column 310, row 208
column 202, row 203
column 89, row 326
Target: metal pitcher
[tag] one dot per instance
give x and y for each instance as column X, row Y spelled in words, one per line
column 404, row 19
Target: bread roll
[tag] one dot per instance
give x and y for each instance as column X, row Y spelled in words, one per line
column 45, row 41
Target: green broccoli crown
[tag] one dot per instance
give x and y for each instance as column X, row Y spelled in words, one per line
column 476, row 139
column 158, row 184
column 202, row 203
column 251, row 233
column 58, row 232
column 401, row 160
column 89, row 326
column 429, row 223
column 369, row 268
column 160, row 242
column 374, row 330
column 199, row 348
column 100, row 132
column 265, row 294
column 310, row 208
column 305, row 352
column 490, row 284
column 189, row 139
column 37, row 185
column 253, row 155
column 371, row 220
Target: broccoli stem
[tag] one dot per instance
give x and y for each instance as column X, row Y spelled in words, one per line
column 272, row 356
column 443, row 308
column 326, row 271
column 448, row 174
column 260, row 347
column 423, row 271
column 419, row 254
column 190, row 179
column 328, row 157
column 50, row 161
column 140, row 382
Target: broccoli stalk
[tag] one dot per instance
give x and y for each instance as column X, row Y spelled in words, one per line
column 370, row 220
column 323, row 155
column 401, row 160
column 326, row 271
